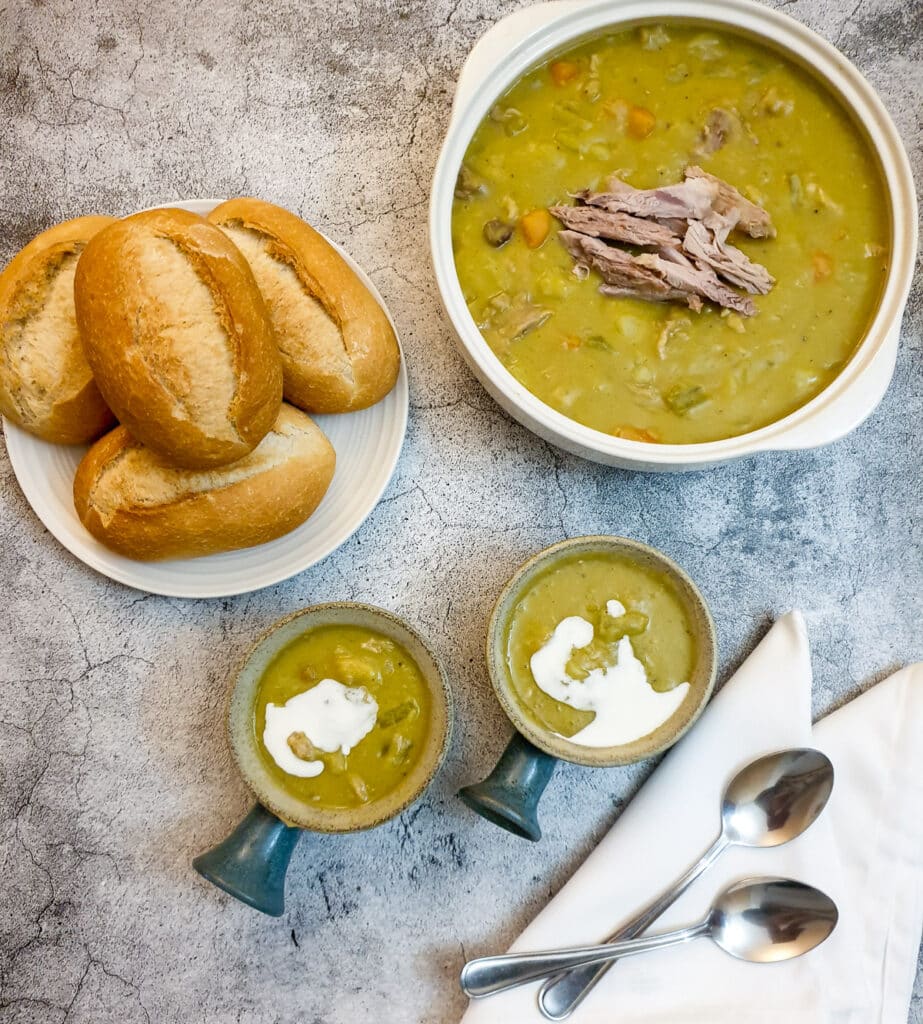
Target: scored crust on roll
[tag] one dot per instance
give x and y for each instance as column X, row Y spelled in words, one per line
column 178, row 336
column 339, row 351
column 46, row 384
column 138, row 504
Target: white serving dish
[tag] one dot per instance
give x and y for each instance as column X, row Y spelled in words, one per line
column 367, row 445
column 524, row 38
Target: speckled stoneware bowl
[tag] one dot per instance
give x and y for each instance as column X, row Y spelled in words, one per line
column 244, row 741
column 251, row 862
column 510, row 795
column 700, row 684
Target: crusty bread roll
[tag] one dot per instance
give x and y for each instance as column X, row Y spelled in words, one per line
column 136, row 503
column 178, row 337
column 339, row 351
column 46, row 384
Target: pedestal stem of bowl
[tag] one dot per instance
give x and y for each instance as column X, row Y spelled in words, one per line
column 509, row 796
column 251, row 863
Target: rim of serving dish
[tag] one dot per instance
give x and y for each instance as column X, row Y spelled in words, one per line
column 666, row 734
column 243, row 743
column 771, row 28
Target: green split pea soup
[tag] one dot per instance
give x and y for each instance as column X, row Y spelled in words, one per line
column 642, row 103
column 655, row 620
column 355, row 657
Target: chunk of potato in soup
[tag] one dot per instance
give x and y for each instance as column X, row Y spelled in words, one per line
column 645, row 103
column 379, row 762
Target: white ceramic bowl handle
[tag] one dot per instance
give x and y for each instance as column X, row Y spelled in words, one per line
column 491, row 49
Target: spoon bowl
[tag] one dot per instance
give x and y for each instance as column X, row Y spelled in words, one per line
column 775, row 798
column 768, row 920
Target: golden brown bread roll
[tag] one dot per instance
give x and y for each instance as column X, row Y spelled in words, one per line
column 178, row 337
column 46, row 384
column 339, row 351
column 136, row 503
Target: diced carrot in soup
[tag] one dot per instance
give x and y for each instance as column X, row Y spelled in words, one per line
column 822, row 264
column 640, row 122
column 563, row 71
column 635, row 434
column 535, row 227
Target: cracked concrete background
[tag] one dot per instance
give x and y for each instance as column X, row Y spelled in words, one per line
column 114, row 769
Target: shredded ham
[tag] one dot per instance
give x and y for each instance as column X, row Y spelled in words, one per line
column 678, row 238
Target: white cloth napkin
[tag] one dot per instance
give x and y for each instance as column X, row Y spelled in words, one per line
column 866, row 851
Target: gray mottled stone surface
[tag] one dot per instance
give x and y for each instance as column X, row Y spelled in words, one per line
column 113, row 765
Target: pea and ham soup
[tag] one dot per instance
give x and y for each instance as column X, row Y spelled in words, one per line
column 341, row 716
column 649, row 108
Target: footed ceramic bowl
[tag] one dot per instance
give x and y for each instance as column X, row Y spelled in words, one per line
column 251, row 863
column 701, row 682
column 509, row 796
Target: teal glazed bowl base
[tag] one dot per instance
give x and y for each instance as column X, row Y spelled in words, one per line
column 510, row 795
column 251, row 863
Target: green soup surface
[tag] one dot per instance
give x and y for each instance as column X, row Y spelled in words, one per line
column 355, row 657
column 638, row 103
column 655, row 620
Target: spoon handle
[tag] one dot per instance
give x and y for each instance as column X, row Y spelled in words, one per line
column 560, row 995
column 491, row 974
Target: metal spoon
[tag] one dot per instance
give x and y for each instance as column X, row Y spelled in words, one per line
column 760, row 920
column 771, row 801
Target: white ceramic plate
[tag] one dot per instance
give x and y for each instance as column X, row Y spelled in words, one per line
column 367, row 445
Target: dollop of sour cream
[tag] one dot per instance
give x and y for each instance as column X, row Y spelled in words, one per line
column 332, row 716
column 627, row 706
